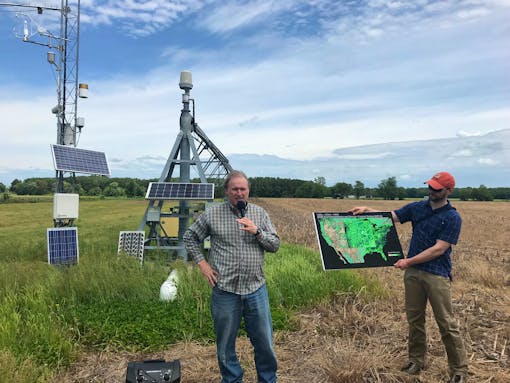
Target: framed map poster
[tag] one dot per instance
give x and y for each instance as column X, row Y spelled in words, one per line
column 356, row 241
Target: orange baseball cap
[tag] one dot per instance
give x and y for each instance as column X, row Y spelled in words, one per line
column 441, row 180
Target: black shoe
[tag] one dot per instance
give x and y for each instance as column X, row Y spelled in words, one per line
column 458, row 378
column 412, row 368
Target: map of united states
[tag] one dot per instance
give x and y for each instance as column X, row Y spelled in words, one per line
column 353, row 238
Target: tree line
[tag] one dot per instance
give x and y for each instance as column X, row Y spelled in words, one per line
column 259, row 187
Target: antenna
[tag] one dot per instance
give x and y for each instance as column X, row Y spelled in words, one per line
column 186, row 83
column 192, row 150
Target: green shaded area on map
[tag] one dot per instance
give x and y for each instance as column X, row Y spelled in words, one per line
column 355, row 237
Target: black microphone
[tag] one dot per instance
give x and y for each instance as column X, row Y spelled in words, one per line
column 241, row 206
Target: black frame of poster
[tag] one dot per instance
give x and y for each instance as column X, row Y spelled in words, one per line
column 333, row 259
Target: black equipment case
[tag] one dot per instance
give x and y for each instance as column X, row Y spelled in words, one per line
column 154, row 371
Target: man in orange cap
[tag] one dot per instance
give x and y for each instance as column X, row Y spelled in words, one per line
column 427, row 277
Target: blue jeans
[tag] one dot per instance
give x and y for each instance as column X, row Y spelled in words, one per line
column 227, row 311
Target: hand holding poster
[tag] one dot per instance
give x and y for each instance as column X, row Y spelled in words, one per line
column 357, row 241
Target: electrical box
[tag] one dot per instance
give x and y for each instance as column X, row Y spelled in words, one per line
column 153, row 214
column 65, row 206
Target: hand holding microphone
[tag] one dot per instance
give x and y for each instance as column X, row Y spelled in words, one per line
column 247, row 224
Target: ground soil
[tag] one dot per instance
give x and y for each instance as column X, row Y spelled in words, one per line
column 354, row 340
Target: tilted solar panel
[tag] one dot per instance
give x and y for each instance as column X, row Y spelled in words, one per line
column 178, row 191
column 62, row 245
column 70, row 159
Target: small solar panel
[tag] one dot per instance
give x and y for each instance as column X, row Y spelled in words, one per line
column 62, row 245
column 174, row 190
column 132, row 243
column 70, row 159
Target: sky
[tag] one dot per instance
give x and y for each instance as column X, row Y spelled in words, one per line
column 299, row 80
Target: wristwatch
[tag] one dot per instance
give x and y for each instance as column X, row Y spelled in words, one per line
column 257, row 233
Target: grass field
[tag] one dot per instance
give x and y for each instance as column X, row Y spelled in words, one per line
column 87, row 322
column 481, row 269
column 110, row 302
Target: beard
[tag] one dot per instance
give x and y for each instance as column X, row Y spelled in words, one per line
column 436, row 197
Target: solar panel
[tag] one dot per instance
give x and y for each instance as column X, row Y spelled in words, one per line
column 62, row 245
column 132, row 243
column 174, row 190
column 70, row 159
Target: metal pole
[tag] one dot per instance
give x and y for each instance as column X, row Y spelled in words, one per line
column 184, row 171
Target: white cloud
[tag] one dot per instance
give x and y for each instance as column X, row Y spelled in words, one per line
column 368, row 156
column 462, row 133
column 487, row 161
column 232, row 15
column 137, row 17
column 464, row 152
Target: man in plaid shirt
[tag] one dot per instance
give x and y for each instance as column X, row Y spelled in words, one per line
column 240, row 234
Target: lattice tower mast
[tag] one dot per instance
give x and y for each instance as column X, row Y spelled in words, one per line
column 64, row 56
column 67, row 83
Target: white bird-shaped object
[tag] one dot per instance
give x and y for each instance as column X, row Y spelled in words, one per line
column 168, row 290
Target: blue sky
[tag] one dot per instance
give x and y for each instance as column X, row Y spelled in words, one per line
column 299, row 80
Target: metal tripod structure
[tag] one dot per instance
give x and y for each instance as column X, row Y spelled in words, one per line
column 192, row 149
column 63, row 55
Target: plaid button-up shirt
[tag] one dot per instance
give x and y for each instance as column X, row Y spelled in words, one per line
column 237, row 255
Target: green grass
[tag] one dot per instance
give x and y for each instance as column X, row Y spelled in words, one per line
column 50, row 314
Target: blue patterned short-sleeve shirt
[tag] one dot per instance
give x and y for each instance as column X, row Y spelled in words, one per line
column 428, row 226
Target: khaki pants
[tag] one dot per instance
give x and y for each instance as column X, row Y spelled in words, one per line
column 421, row 286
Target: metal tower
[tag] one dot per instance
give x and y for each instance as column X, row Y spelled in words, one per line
column 192, row 150
column 63, row 55
column 68, row 123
